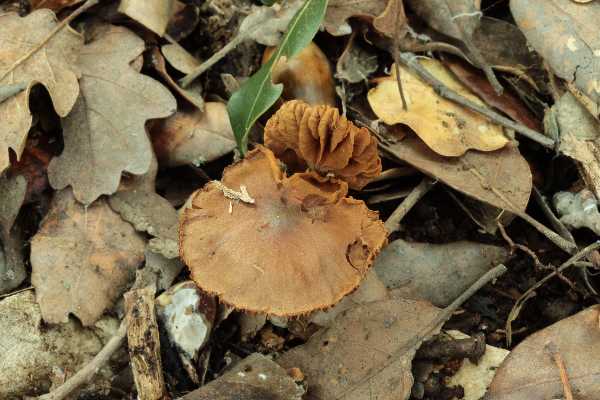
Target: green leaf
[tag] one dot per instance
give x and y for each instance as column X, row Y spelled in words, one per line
column 258, row 93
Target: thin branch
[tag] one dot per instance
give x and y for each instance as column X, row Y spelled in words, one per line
column 562, row 369
column 85, row 6
column 442, row 317
column 410, row 60
column 88, row 371
column 393, row 222
column 514, row 312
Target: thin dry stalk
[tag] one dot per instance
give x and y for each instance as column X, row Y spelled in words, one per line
column 393, row 222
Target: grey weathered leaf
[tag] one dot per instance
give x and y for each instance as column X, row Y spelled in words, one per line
column 12, row 269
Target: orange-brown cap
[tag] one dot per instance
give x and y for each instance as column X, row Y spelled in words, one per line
column 320, row 138
column 300, row 246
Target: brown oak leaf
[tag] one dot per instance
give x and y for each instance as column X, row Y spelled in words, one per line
column 104, row 135
column 82, row 259
column 54, row 65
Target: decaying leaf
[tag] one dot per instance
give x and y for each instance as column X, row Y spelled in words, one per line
column 153, row 14
column 193, row 138
column 501, row 178
column 82, row 259
column 297, row 245
column 565, row 34
column 438, row 273
column 256, row 377
column 319, row 138
column 530, row 372
column 266, row 25
column 12, row 269
column 138, row 203
column 339, row 11
column 104, row 134
column 579, row 138
column 446, row 127
column 578, row 210
column 357, row 62
column 54, row 5
column 338, row 360
column 54, row 66
column 193, row 93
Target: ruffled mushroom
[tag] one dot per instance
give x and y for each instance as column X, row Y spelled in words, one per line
column 298, row 246
column 319, row 138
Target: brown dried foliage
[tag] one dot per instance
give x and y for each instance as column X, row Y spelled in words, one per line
column 319, row 138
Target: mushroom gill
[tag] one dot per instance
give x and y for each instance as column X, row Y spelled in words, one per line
column 301, row 246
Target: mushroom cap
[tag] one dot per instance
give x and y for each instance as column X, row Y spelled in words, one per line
column 320, row 138
column 301, row 246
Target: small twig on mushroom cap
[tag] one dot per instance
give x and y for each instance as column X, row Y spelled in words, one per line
column 242, row 195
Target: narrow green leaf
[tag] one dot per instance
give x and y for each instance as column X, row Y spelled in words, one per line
column 258, row 93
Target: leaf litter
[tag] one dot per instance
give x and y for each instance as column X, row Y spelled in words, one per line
column 96, row 158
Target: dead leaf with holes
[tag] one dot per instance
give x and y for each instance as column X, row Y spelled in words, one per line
column 54, row 66
column 82, row 258
column 566, row 35
column 104, row 135
column 501, row 178
column 365, row 340
column 138, row 203
column 530, row 372
column 446, row 127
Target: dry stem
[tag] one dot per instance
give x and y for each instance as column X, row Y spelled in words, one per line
column 408, row 203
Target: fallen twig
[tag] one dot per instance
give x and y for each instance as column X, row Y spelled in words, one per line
column 442, row 317
column 560, row 363
column 410, row 60
column 514, row 312
column 393, row 222
column 88, row 4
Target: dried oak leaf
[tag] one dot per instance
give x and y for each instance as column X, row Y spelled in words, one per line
column 301, row 246
column 566, row 35
column 82, row 259
column 153, row 14
column 530, row 372
column 365, row 354
column 54, row 66
column 318, row 137
column 447, row 128
column 104, row 134
column 339, row 11
column 12, row 269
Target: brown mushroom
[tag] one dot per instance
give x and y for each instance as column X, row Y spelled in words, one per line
column 320, row 138
column 298, row 246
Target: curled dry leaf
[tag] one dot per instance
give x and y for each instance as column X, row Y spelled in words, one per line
column 501, row 178
column 318, row 137
column 193, row 93
column 339, row 11
column 54, row 66
column 579, row 137
column 193, row 138
column 530, row 373
column 301, row 246
column 82, row 259
column 104, row 135
column 12, row 269
column 153, row 14
column 338, row 361
column 178, row 58
column 438, row 273
column 562, row 32
column 447, row 128
column 307, row 76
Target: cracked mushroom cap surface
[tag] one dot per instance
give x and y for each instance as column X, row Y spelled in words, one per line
column 301, row 246
column 318, row 137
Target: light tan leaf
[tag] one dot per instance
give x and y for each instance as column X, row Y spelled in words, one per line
column 104, row 134
column 82, row 259
column 446, row 127
column 501, row 178
column 54, row 66
column 530, row 373
column 179, row 59
column 54, row 5
column 153, row 14
column 337, row 361
column 193, row 137
column 565, row 34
